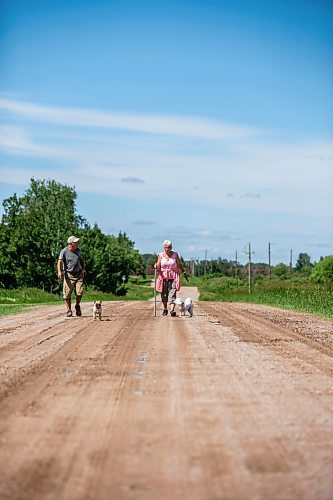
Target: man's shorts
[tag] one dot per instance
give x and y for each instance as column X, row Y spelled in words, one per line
column 169, row 291
column 72, row 283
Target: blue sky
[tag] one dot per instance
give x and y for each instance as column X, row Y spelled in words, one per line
column 207, row 123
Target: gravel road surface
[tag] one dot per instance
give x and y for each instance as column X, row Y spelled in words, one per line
column 234, row 403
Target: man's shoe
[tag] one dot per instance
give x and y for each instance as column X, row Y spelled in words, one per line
column 78, row 310
column 165, row 312
column 173, row 313
column 69, row 314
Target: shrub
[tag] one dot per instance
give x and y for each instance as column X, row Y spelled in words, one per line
column 323, row 271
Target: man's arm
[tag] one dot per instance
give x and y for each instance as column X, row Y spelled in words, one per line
column 83, row 266
column 59, row 268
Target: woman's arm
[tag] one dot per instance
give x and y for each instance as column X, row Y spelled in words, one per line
column 181, row 268
column 179, row 264
column 158, row 263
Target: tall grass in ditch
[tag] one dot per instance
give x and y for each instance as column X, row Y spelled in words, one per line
column 14, row 301
column 298, row 296
column 27, row 296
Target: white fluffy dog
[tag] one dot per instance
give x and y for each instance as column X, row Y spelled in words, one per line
column 97, row 309
column 185, row 305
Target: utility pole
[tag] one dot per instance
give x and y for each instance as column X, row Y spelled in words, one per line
column 269, row 261
column 236, row 272
column 291, row 260
column 205, row 271
column 249, row 253
column 192, row 266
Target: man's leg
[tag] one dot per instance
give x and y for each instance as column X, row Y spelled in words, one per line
column 67, row 292
column 78, row 311
column 78, row 296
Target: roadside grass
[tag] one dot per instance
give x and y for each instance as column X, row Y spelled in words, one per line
column 18, row 300
column 299, row 296
column 27, row 296
column 15, row 301
column 6, row 309
column 139, row 288
column 135, row 289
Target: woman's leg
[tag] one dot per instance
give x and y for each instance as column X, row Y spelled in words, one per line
column 164, row 296
column 172, row 298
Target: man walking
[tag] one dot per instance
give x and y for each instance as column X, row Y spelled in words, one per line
column 71, row 263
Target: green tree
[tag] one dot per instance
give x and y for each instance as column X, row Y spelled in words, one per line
column 110, row 260
column 33, row 229
column 303, row 264
column 323, row 271
column 281, row 271
column 149, row 260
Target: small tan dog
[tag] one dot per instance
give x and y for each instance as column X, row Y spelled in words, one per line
column 97, row 309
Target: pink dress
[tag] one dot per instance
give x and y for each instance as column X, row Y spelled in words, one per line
column 169, row 271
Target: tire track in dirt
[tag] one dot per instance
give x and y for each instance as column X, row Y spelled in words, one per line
column 250, row 328
column 297, row 399
column 75, row 388
column 143, row 407
column 222, row 373
column 21, row 353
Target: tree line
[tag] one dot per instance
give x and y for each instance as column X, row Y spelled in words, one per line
column 35, row 227
column 320, row 272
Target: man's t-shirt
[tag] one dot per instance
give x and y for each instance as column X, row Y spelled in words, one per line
column 71, row 261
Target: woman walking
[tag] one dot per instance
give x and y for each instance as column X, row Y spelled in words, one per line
column 168, row 282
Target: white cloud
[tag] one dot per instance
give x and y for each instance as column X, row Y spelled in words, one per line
column 14, row 138
column 132, row 180
column 144, row 223
column 249, row 174
column 153, row 124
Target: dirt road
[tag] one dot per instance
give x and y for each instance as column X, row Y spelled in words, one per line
column 234, row 403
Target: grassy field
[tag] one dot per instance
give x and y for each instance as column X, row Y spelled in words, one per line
column 298, row 296
column 14, row 301
column 136, row 289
